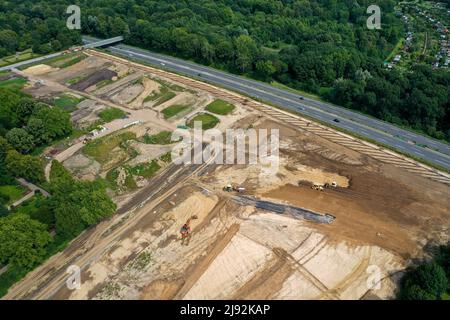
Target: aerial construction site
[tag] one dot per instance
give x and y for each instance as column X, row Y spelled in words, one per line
column 315, row 228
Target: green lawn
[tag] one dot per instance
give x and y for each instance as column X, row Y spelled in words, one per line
column 100, row 149
column 25, row 55
column 220, row 107
column 67, row 102
column 14, row 83
column 146, row 170
column 160, row 97
column 11, row 192
column 111, row 114
column 208, row 121
column 65, row 61
column 173, row 110
column 163, row 137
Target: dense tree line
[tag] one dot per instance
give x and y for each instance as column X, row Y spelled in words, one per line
column 27, row 123
column 321, row 46
column 38, row 25
column 428, row 281
column 73, row 206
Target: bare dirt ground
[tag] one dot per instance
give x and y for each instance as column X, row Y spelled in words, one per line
column 385, row 216
column 244, row 253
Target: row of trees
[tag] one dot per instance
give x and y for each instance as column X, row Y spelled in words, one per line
column 419, row 99
column 27, row 123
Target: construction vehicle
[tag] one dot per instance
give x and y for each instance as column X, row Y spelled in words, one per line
column 231, row 188
column 185, row 230
column 317, row 187
column 330, row 185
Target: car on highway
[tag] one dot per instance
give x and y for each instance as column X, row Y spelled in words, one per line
column 337, row 120
column 301, row 98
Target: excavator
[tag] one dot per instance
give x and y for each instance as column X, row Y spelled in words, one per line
column 185, row 230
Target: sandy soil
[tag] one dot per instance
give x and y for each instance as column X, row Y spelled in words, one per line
column 39, row 69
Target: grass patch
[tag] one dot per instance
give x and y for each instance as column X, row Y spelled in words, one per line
column 111, row 114
column 103, row 83
column 220, row 107
column 11, row 193
column 67, row 102
column 65, row 61
column 146, row 170
column 25, row 55
column 163, row 137
column 142, row 261
column 160, row 97
column 208, row 121
column 74, row 80
column 167, row 158
column 14, row 83
column 173, row 110
column 100, row 149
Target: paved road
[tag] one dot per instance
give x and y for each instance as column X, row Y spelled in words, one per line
column 385, row 133
column 35, row 60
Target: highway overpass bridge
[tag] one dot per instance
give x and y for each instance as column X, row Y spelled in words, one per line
column 88, row 44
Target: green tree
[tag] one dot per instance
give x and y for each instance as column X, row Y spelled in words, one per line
column 20, row 139
column 265, row 69
column 3, row 211
column 55, row 121
column 25, row 166
column 246, row 51
column 23, row 241
column 428, row 281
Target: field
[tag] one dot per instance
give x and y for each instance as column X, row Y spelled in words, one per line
column 208, row 121
column 220, row 107
column 111, row 114
column 25, row 55
column 384, row 216
column 173, row 110
column 13, row 83
column 101, row 149
column 163, row 137
column 67, row 102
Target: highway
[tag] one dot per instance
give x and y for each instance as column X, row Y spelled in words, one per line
column 382, row 132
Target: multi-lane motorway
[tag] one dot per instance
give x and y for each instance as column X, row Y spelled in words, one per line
column 382, row 132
